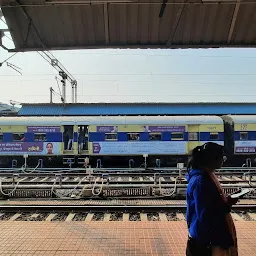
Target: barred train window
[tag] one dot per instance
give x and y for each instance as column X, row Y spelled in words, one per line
column 193, row 136
column 18, row 136
column 177, row 136
column 1, row 137
column 155, row 136
column 39, row 137
column 110, row 136
column 214, row 136
column 243, row 135
column 133, row 136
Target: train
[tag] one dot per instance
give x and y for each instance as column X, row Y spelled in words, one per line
column 122, row 141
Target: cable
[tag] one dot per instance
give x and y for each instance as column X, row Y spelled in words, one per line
column 69, row 192
column 248, row 83
column 24, row 168
column 3, row 21
column 167, row 195
column 156, row 95
column 8, row 37
column 51, row 57
column 59, row 64
column 9, row 58
column 101, row 187
column 7, row 194
column 155, row 74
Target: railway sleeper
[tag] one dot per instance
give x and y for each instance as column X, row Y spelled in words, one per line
column 111, row 216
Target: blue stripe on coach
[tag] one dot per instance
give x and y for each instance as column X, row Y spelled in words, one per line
column 205, row 136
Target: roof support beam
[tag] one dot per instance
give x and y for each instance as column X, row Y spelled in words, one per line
column 136, row 46
column 233, row 22
column 9, row 3
column 106, row 23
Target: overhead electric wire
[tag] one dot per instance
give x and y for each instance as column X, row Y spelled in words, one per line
column 9, row 58
column 152, row 74
column 3, row 21
column 59, row 64
column 156, row 94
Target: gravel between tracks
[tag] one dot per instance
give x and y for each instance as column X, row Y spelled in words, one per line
column 134, row 217
column 153, row 217
column 98, row 216
column 116, row 216
column 60, row 216
column 80, row 216
column 171, row 216
column 6, row 216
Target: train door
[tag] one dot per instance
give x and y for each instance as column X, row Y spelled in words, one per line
column 68, row 138
column 83, row 139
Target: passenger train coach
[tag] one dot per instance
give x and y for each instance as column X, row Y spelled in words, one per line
column 118, row 140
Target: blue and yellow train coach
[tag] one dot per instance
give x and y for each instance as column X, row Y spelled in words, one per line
column 112, row 140
column 168, row 138
column 240, row 139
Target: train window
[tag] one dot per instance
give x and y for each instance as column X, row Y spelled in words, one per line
column 110, row 136
column 243, row 135
column 177, row 136
column 155, row 136
column 39, row 137
column 133, row 136
column 193, row 136
column 214, row 136
column 1, row 137
column 18, row 136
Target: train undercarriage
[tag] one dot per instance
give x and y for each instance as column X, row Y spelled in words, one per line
column 152, row 161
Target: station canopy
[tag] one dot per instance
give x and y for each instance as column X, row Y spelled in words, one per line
column 90, row 24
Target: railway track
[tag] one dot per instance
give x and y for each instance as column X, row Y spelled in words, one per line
column 118, row 210
column 109, row 185
column 117, row 170
column 107, row 205
column 136, row 177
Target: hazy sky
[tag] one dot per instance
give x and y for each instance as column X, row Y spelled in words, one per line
column 214, row 75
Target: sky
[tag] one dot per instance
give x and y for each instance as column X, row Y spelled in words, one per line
column 112, row 75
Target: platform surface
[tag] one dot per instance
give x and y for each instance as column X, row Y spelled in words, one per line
column 107, row 238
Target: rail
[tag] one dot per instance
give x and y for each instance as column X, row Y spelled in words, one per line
column 108, row 208
column 49, row 171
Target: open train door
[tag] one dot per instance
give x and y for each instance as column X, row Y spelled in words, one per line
column 69, row 142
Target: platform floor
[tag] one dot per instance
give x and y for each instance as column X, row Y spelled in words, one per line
column 107, row 238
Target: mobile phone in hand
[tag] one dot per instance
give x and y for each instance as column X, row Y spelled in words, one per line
column 241, row 193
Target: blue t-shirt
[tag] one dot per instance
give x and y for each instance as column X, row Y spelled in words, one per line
column 206, row 211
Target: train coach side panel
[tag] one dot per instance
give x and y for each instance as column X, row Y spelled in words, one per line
column 31, row 140
column 202, row 133
column 211, row 133
column 245, row 138
column 138, row 140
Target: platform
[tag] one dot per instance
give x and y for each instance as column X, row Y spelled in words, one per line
column 107, row 238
